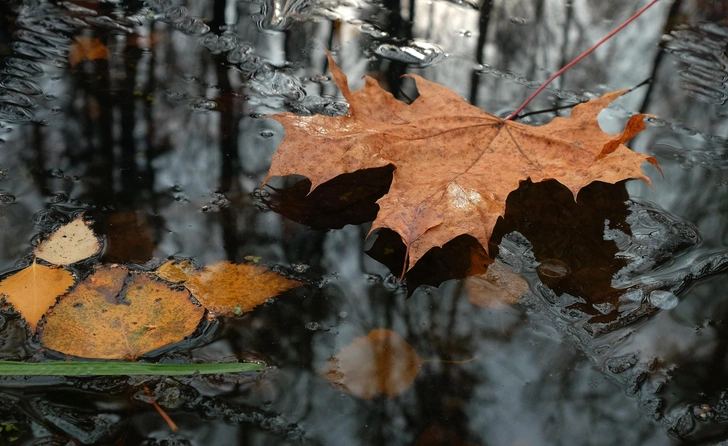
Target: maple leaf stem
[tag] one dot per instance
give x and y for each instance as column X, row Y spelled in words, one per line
column 575, row 61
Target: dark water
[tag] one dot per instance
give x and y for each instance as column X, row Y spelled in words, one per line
column 163, row 142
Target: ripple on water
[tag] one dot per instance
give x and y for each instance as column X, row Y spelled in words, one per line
column 418, row 52
column 202, row 105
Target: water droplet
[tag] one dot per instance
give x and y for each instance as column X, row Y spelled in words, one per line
column 518, row 20
column 343, row 314
column 56, row 173
column 192, row 26
column 266, row 134
column 239, row 53
column 374, row 278
column 465, row 33
column 686, row 164
column 301, row 267
column 250, row 64
column 6, row 198
column 392, row 282
column 14, row 113
column 56, row 110
column 313, row 326
column 21, row 85
column 621, row 364
column 219, row 44
column 373, row 31
column 202, row 105
column 418, row 53
column 553, row 269
column 175, row 13
column 682, row 129
column 633, row 296
column 655, row 122
column 663, row 300
column 60, row 197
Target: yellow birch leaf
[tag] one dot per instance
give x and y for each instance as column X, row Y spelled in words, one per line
column 71, row 243
column 498, row 287
column 33, row 290
column 228, row 289
column 381, row 363
column 175, row 271
column 118, row 314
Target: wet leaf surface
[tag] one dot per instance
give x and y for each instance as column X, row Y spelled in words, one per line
column 33, row 290
column 71, row 243
column 118, row 314
column 229, row 289
column 381, row 363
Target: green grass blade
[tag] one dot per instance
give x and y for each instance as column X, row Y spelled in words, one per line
column 8, row 368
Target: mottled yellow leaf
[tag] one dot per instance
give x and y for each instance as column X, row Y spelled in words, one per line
column 228, row 289
column 118, row 314
column 33, row 290
column 71, row 243
column 381, row 363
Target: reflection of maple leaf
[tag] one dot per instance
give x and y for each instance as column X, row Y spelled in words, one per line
column 86, row 48
column 118, row 314
column 381, row 363
column 33, row 290
column 454, row 163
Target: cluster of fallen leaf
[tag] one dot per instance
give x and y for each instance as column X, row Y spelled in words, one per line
column 118, row 313
column 454, row 164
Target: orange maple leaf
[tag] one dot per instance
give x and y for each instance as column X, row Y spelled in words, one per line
column 454, row 163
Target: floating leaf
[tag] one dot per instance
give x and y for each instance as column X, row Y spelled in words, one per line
column 118, row 314
column 71, row 243
column 228, row 289
column 455, row 164
column 381, row 363
column 498, row 287
column 87, row 48
column 33, row 290
column 175, row 271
